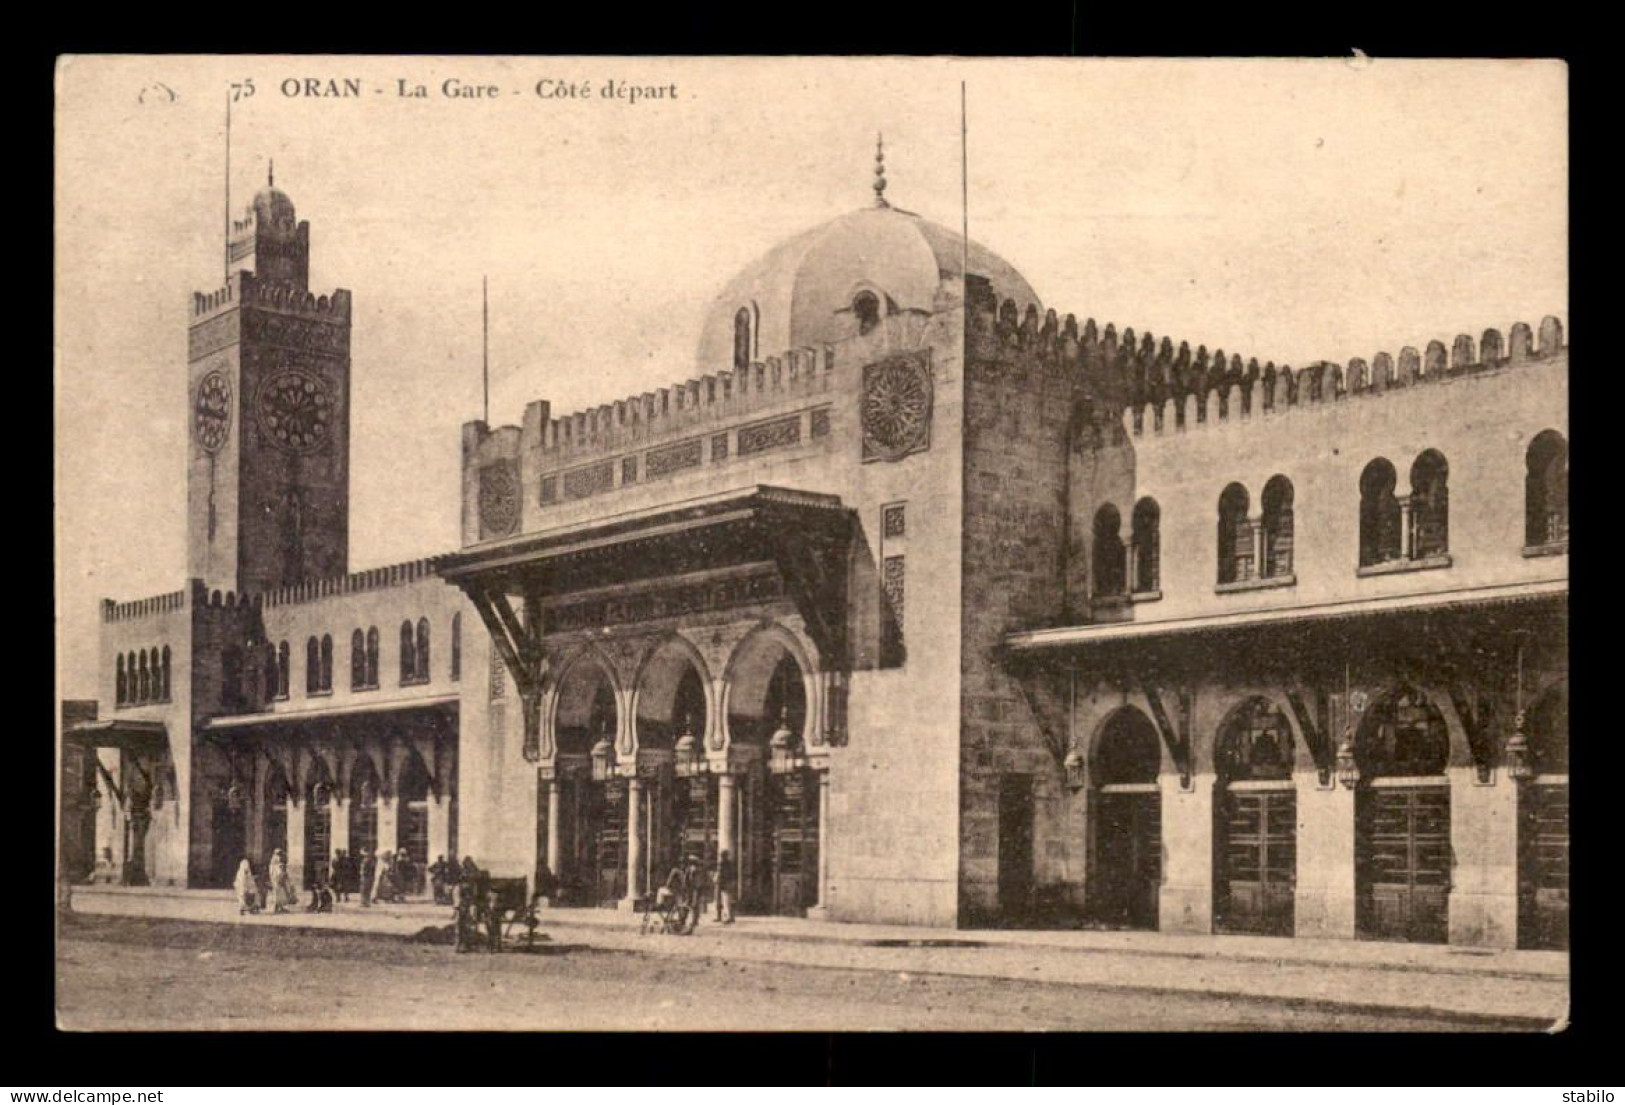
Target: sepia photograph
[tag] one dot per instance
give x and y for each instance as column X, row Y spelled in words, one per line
column 811, row 544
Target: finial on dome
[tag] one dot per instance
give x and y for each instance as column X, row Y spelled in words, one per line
column 270, row 173
column 880, row 171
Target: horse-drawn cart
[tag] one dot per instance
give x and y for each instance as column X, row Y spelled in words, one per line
column 489, row 909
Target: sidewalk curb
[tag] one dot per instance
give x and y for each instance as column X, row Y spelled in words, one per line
column 1510, row 1022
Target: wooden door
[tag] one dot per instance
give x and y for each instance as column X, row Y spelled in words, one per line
column 610, row 852
column 1015, row 846
column 1258, row 861
column 1128, row 859
column 1402, row 841
column 795, row 842
column 230, row 841
column 318, row 841
column 696, row 816
column 754, row 837
column 1543, row 866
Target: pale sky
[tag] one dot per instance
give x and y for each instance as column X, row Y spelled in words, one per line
column 1293, row 211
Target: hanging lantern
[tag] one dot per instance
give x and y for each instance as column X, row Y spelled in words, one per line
column 1520, row 763
column 603, row 760
column 369, row 791
column 321, row 794
column 1077, row 770
column 687, row 752
column 781, row 747
column 95, row 796
column 1348, row 769
column 234, row 797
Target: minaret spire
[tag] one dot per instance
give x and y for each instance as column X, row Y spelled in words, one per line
column 270, row 174
column 880, row 171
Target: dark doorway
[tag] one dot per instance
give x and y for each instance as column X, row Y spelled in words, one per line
column 1015, row 846
column 230, row 831
column 1403, row 869
column 1255, row 823
column 610, row 854
column 1128, row 858
column 1543, row 867
column 795, row 841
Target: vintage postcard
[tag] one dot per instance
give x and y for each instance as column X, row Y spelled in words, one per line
column 812, row 543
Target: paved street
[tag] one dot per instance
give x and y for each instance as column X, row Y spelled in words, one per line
column 134, row 972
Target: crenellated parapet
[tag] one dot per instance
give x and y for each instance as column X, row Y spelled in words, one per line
column 285, row 298
column 373, row 579
column 1162, row 387
column 137, row 609
column 708, row 400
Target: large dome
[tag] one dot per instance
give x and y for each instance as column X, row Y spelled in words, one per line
column 801, row 293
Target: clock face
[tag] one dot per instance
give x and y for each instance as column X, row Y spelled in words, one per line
column 211, row 411
column 896, row 412
column 295, row 409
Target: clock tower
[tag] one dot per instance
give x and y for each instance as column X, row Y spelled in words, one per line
column 268, row 501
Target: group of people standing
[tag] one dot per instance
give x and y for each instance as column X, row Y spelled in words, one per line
column 690, row 888
column 384, row 877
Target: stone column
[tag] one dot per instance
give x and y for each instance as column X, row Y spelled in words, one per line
column 1323, row 904
column 1258, row 547
column 439, row 827
column 634, row 840
column 1186, row 901
column 296, row 841
column 1484, row 871
column 553, row 828
column 388, row 823
column 820, row 911
column 338, row 812
column 726, row 816
column 1405, row 548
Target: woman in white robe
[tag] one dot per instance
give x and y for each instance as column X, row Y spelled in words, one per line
column 248, row 894
column 282, row 892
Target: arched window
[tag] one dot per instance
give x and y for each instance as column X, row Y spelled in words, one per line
column 313, row 666
column 1147, row 546
column 1379, row 514
column 1109, row 564
column 282, row 681
column 742, row 339
column 268, row 671
column 1546, row 490
column 372, row 656
column 327, row 662
column 1127, row 751
column 358, row 660
column 231, row 678
column 866, row 308
column 1430, row 506
column 457, row 646
column 408, row 650
column 1277, row 504
column 1255, row 743
column 166, row 674
column 423, row 650
column 145, row 682
column 119, row 685
column 1402, row 735
column 1235, row 536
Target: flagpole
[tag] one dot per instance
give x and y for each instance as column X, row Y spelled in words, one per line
column 485, row 342
column 964, row 193
column 228, row 186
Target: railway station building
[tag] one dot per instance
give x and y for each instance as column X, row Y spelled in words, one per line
column 924, row 601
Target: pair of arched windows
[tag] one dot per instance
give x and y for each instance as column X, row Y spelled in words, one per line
column 319, row 665
column 1118, row 571
column 1417, row 528
column 415, row 652
column 141, row 677
column 364, row 659
column 276, row 670
column 1546, row 491
column 1255, row 548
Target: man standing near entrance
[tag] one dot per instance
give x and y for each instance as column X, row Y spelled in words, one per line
column 724, row 883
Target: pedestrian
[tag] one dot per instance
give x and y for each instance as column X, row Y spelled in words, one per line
column 437, row 879
column 383, row 887
column 547, row 884
column 248, row 895
column 724, row 886
column 283, row 895
column 693, row 887
column 405, row 874
column 340, row 863
column 369, row 864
